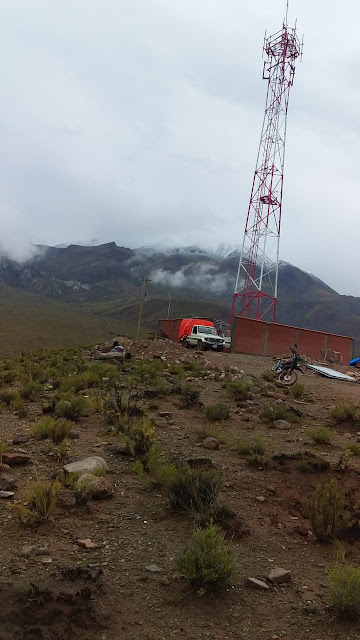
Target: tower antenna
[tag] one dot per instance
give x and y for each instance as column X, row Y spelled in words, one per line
column 257, row 276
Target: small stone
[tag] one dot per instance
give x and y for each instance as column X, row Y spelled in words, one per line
column 279, row 575
column 310, row 607
column 74, row 435
column 301, row 530
column 211, row 443
column 153, row 568
column 27, row 550
column 41, row 551
column 253, row 583
column 46, row 560
column 282, row 424
column 6, row 494
column 256, row 391
column 165, row 414
column 14, row 459
column 7, row 482
column 260, row 498
column 87, row 543
column 21, row 439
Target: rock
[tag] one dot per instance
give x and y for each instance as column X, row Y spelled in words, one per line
column 153, row 568
column 4, row 467
column 301, row 530
column 30, row 549
column 87, row 543
column 256, row 391
column 165, row 414
column 279, row 575
column 211, row 443
column 27, row 550
column 46, row 560
column 21, row 439
column 282, row 424
column 246, row 418
column 14, row 459
column 74, row 435
column 253, row 583
column 96, row 487
column 86, row 466
column 6, row 494
column 7, row 482
column 310, row 607
column 260, row 498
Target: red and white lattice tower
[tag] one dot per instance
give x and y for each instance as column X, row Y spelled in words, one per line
column 257, row 277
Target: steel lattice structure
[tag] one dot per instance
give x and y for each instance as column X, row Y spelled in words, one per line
column 257, row 276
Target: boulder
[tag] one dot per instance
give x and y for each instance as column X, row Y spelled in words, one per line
column 279, row 576
column 88, row 465
column 14, row 459
column 282, row 425
column 211, row 443
column 7, row 482
column 96, row 487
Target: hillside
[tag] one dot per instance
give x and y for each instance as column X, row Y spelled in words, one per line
column 29, row 321
column 126, row 548
column 105, row 282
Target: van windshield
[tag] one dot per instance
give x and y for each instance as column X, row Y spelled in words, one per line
column 208, row 330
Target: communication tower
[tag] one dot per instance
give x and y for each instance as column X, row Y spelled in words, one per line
column 257, row 277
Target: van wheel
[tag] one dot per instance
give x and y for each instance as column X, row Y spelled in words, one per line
column 187, row 345
column 201, row 346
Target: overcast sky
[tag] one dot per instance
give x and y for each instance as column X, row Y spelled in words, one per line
column 138, row 121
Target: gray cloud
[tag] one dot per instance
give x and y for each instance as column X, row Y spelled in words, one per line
column 138, row 121
column 202, row 275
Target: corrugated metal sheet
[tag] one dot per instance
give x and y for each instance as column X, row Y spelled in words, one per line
column 331, row 373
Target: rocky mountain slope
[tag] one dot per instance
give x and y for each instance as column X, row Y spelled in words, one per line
column 106, row 279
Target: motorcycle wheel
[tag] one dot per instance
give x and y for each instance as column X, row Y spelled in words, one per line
column 287, row 379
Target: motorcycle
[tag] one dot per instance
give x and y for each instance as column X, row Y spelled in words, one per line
column 287, row 369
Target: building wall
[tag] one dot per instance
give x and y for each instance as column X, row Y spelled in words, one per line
column 270, row 339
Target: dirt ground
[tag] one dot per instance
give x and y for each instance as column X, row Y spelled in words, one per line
column 107, row 593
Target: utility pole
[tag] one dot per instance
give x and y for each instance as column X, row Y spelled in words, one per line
column 143, row 293
column 169, row 296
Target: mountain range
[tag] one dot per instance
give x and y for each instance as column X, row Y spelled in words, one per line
column 99, row 286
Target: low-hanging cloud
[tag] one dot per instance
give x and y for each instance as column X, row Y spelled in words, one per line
column 14, row 238
column 202, row 276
